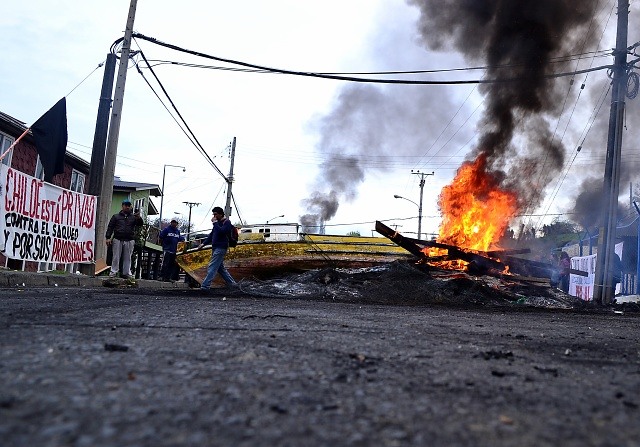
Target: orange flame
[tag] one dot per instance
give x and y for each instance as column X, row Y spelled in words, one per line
column 475, row 210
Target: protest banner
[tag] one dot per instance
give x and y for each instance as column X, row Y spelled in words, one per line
column 582, row 286
column 42, row 222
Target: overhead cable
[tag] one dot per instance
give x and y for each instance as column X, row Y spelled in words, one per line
column 350, row 78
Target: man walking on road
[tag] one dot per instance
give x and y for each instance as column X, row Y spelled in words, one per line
column 122, row 227
column 219, row 240
column 170, row 236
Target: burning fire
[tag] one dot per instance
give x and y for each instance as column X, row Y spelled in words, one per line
column 475, row 210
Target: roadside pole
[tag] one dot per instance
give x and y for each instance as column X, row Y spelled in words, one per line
column 603, row 291
column 229, row 179
column 96, row 167
column 106, row 194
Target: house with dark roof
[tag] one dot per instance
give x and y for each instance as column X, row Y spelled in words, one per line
column 24, row 157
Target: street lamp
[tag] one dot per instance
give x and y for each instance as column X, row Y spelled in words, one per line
column 282, row 215
column 396, row 196
column 422, row 176
column 164, row 171
column 264, row 229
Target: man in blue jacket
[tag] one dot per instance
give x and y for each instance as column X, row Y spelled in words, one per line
column 219, row 240
column 170, row 236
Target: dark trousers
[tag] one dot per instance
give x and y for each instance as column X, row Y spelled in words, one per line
column 564, row 283
column 169, row 267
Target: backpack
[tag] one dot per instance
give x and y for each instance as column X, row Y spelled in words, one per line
column 233, row 240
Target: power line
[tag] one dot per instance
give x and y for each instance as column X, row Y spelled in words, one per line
column 195, row 140
column 346, row 78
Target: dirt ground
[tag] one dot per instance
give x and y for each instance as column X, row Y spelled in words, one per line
column 110, row 367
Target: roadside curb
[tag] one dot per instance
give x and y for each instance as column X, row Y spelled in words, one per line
column 11, row 279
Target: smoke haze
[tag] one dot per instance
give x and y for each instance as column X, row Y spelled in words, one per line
column 522, row 41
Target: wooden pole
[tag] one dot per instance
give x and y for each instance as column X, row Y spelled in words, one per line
column 106, row 195
column 603, row 281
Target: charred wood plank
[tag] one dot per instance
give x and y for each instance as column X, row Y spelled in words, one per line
column 536, row 268
column 501, row 253
column 399, row 239
column 411, row 245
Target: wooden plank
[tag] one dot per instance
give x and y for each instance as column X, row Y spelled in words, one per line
column 399, row 239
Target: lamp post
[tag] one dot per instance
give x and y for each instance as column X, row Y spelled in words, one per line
column 264, row 230
column 164, row 171
column 422, row 176
column 282, row 215
column 396, row 196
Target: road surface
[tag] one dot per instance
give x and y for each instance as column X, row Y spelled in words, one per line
column 109, row 367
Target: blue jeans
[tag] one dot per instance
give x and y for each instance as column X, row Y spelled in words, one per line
column 216, row 266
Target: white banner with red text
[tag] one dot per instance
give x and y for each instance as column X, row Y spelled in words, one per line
column 582, row 286
column 45, row 223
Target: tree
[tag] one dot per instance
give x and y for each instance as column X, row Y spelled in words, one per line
column 560, row 232
column 353, row 234
column 183, row 224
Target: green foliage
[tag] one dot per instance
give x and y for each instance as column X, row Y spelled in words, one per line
column 558, row 228
column 183, row 224
column 559, row 233
column 354, row 234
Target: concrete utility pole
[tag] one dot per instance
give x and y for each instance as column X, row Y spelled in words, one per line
column 227, row 207
column 106, row 194
column 190, row 205
column 96, row 167
column 422, row 176
column 603, row 281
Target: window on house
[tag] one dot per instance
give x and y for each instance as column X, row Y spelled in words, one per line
column 138, row 204
column 5, row 142
column 77, row 181
column 39, row 174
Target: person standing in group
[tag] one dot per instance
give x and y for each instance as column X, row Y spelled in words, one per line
column 122, row 227
column 219, row 240
column 564, row 266
column 170, row 236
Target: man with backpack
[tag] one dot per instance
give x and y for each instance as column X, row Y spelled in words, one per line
column 219, row 238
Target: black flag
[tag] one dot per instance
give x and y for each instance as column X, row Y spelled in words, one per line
column 50, row 135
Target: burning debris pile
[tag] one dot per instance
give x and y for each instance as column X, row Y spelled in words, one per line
column 405, row 283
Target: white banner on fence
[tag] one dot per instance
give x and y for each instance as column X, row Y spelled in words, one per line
column 45, row 223
column 582, row 286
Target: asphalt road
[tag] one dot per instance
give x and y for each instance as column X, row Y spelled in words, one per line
column 103, row 367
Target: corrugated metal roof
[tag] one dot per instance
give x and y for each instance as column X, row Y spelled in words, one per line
column 121, row 185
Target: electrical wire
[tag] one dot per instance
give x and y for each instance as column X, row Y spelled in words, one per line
column 195, row 140
column 346, row 78
column 87, row 77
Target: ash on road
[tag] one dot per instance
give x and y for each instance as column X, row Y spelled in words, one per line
column 105, row 367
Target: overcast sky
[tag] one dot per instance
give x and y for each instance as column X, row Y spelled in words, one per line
column 285, row 125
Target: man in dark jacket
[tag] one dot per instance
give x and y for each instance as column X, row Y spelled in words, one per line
column 122, row 227
column 219, row 240
column 170, row 236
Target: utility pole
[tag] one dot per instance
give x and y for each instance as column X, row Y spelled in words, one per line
column 190, row 205
column 422, row 176
column 227, row 207
column 603, row 280
column 106, row 194
column 96, row 167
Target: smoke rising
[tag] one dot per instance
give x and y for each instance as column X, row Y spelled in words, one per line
column 519, row 41
column 368, row 129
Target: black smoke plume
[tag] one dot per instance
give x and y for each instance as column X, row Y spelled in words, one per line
column 521, row 42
